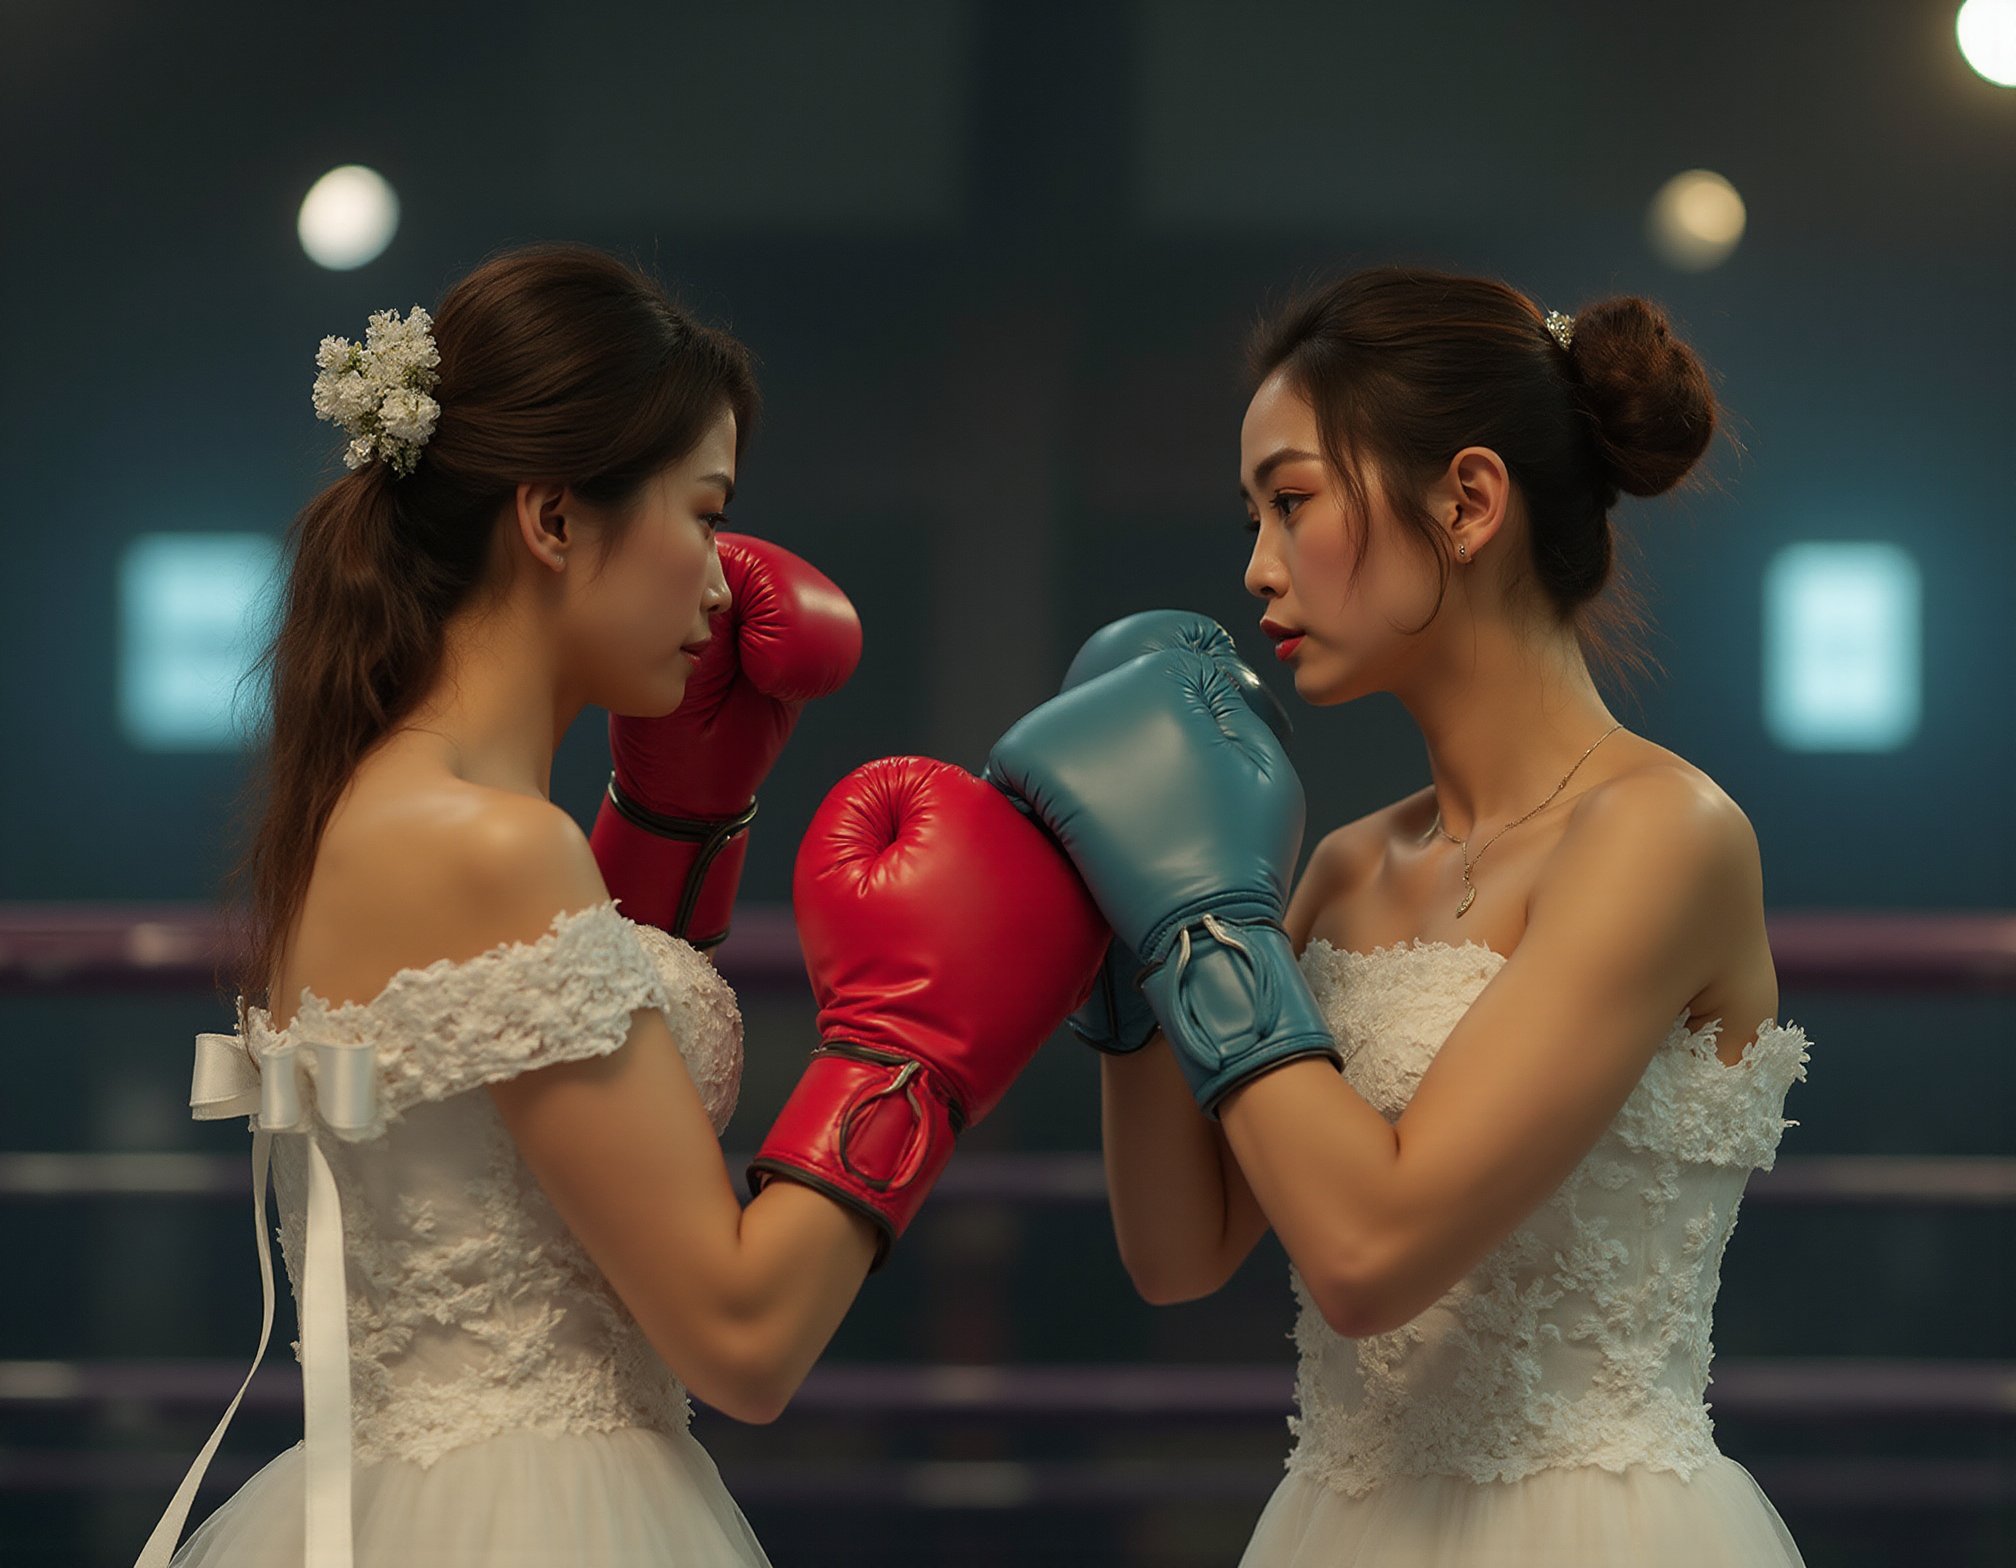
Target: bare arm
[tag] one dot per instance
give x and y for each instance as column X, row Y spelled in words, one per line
column 739, row 1302
column 1626, row 925
column 1184, row 1215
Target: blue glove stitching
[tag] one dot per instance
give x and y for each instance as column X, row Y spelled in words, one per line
column 1213, row 1089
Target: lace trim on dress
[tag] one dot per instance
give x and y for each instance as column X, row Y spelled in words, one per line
column 457, row 1024
column 704, row 1017
column 1689, row 1103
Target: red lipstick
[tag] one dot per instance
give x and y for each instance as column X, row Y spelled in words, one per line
column 1286, row 639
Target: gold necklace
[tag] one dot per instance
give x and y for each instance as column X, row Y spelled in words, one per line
column 1463, row 844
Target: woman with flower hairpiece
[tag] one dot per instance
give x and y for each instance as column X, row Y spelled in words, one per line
column 490, row 1100
column 1498, row 1071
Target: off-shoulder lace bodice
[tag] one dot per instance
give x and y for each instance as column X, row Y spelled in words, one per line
column 472, row 1309
column 1583, row 1338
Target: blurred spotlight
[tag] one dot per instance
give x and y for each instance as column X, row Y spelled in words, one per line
column 1841, row 647
column 348, row 217
column 1987, row 32
column 1695, row 221
column 194, row 610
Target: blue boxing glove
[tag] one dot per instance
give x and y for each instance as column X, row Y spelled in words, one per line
column 1150, row 631
column 1116, row 1018
column 1182, row 814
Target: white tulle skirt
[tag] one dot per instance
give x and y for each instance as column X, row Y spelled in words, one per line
column 596, row 1500
column 1584, row 1517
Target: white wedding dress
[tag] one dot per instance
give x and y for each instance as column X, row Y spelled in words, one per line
column 501, row 1405
column 1547, row 1412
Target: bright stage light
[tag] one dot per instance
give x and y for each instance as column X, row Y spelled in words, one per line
column 1842, row 647
column 1987, row 33
column 348, row 218
column 1696, row 220
column 193, row 611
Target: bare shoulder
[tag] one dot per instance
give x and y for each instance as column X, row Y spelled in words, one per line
column 501, row 865
column 504, row 848
column 442, row 872
column 1664, row 824
column 1674, row 802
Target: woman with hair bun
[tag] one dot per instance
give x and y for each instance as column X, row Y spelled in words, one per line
column 1498, row 1071
column 490, row 1099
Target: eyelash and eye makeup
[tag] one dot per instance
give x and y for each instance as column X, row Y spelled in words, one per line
column 1284, row 502
column 715, row 521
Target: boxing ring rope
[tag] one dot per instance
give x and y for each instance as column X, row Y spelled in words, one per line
column 55, row 951
column 65, row 949
column 1069, row 1180
column 1756, row 1389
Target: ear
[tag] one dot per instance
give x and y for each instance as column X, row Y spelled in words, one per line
column 541, row 513
column 1471, row 500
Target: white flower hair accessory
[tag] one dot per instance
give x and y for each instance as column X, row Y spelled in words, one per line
column 377, row 390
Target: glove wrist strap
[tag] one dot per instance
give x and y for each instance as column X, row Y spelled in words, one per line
column 1233, row 1004
column 871, row 1128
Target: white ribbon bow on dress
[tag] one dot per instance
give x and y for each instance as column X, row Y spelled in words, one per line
column 230, row 1079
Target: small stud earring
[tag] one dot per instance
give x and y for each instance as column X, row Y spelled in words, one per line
column 1463, row 551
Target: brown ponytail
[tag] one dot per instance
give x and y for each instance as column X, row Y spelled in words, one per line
column 558, row 363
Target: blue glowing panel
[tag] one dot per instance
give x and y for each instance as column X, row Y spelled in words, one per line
column 1842, row 647
column 194, row 610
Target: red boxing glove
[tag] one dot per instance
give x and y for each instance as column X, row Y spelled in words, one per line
column 946, row 937
column 671, row 836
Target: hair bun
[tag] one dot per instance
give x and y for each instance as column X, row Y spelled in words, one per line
column 1648, row 395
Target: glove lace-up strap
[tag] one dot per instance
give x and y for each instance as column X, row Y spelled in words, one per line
column 1266, row 994
column 712, row 834
column 846, row 1132
column 908, row 1071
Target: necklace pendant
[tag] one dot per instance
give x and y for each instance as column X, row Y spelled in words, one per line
column 1467, row 898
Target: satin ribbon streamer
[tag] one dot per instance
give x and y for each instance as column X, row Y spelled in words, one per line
column 230, row 1080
